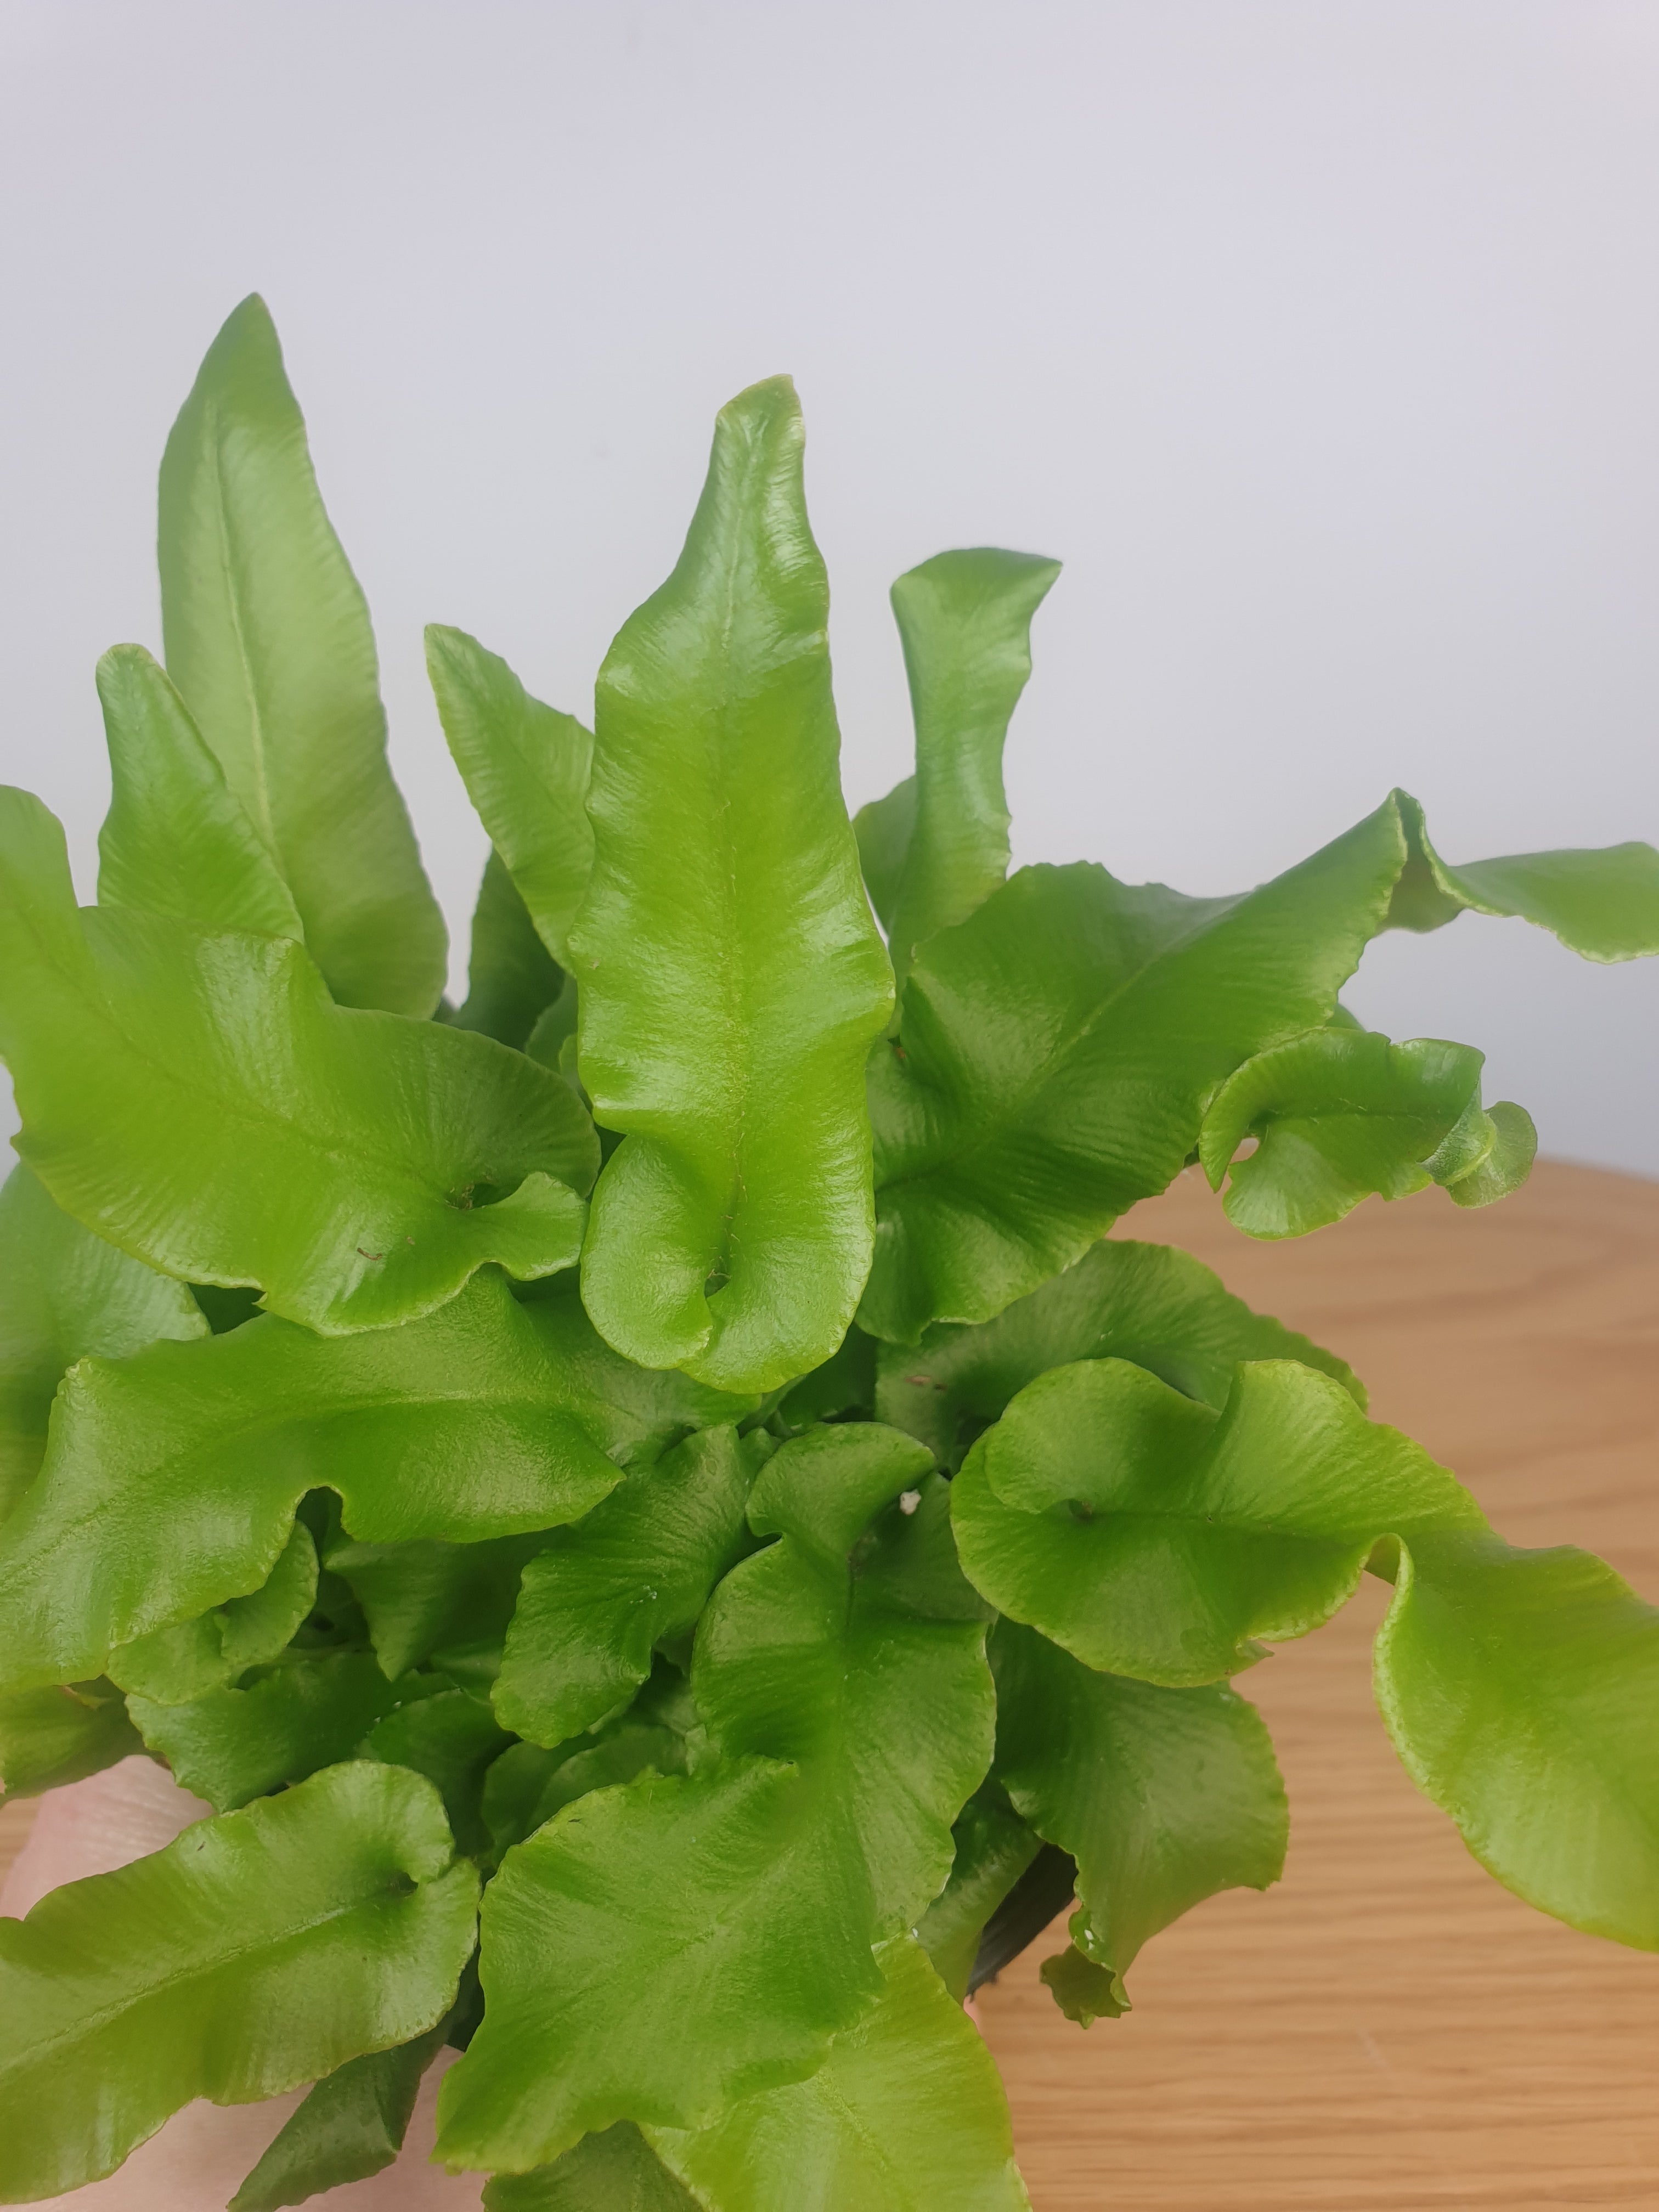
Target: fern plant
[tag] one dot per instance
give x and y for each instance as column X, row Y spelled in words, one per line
column 668, row 1448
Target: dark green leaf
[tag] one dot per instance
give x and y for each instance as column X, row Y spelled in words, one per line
column 525, row 768
column 1146, row 1302
column 965, row 619
column 419, row 1596
column 175, row 1665
column 1153, row 1538
column 269, row 640
column 617, row 2171
column 1163, row 1797
column 527, row 1785
column 195, row 1972
column 1060, row 1048
column 884, row 829
column 49, row 1737
column 846, row 1383
column 310, row 1710
column 906, row 2114
column 63, row 1293
column 1084, row 1991
column 1520, row 1688
column 452, row 1738
column 351, row 2126
column 993, row 1848
column 732, row 978
column 266, row 1135
column 513, row 979
column 176, row 839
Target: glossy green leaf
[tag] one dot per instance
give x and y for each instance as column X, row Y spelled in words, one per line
column 52, row 1736
column 732, row 978
column 269, row 640
column 177, row 839
column 452, row 1738
column 195, row 1972
column 419, row 1596
column 1506, row 1166
column 527, row 1785
column 965, row 619
column 1153, row 1537
column 512, row 979
column 173, row 1476
column 1163, row 1797
column 651, row 1954
column 1146, row 1302
column 309, row 1711
column 174, row 1665
column 601, row 1597
column 266, row 1135
column 1520, row 1689
column 993, row 1848
column 64, row 1293
column 882, row 831
column 1340, row 1115
column 617, row 2171
column 906, row 2114
column 1603, row 904
column 525, row 767
column 1060, row 1048
column 351, row 2126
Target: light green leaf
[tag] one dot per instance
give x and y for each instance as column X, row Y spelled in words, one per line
column 527, row 1785
column 1060, row 1048
column 269, row 640
column 882, row 830
column 310, row 1710
column 1342, row 1116
column 175, row 1665
column 52, row 1736
column 1146, row 1302
column 513, row 979
column 1506, row 1166
column 525, row 767
column 1151, row 1537
column 1520, row 1689
column 965, row 619
column 906, row 2114
column 1084, row 1992
column 173, row 1476
column 266, row 1135
column 601, row 1597
column 615, row 2172
column 195, row 1972
column 651, row 1954
column 417, row 1597
column 993, row 1848
column 1163, row 1797
column 732, row 978
column 63, row 1293
column 351, row 2126
column 176, row 839
column 452, row 1738
column 1603, row 904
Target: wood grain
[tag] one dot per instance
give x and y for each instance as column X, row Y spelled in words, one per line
column 1389, row 2030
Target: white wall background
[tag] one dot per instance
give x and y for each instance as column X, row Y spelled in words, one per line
column 1319, row 337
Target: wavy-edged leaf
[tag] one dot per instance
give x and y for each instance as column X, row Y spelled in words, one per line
column 174, row 1665
column 651, row 1954
column 1506, row 1166
column 596, row 1601
column 525, row 767
column 732, row 978
column 993, row 1848
column 194, row 1972
column 352, row 2125
column 1603, row 904
column 1342, row 1115
column 52, row 1736
column 512, row 977
column 64, row 1293
column 452, row 1739
column 1146, row 1302
column 1151, row 1537
column 176, row 839
column 1163, row 1797
column 617, row 2171
column 1520, row 1689
column 309, row 1711
column 965, row 619
column 268, row 639
column 882, row 831
column 173, row 1476
column 266, row 1135
column 418, row 1597
column 1060, row 1048
column 906, row 2114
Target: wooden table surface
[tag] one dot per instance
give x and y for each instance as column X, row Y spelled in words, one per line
column 1388, row 2029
